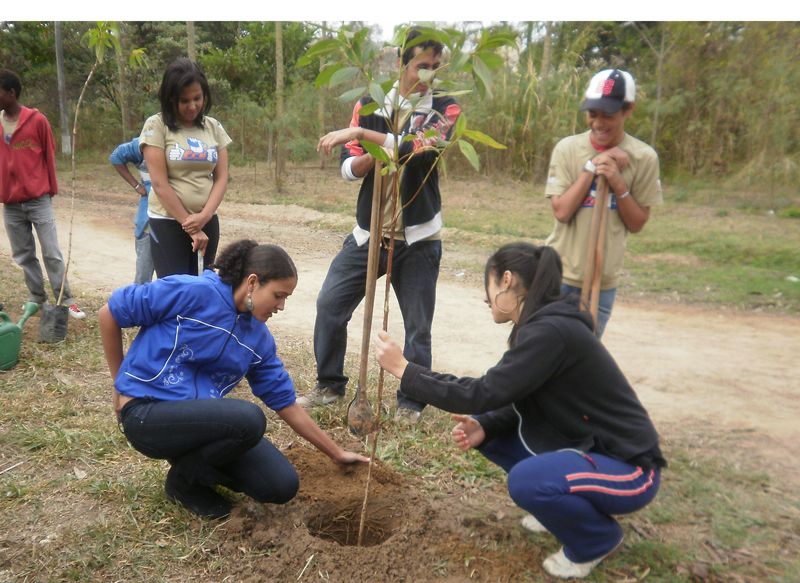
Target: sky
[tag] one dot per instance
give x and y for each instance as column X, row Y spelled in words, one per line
column 442, row 10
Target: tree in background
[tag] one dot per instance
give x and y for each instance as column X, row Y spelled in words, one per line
column 717, row 98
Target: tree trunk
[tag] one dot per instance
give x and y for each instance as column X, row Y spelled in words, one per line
column 190, row 41
column 63, row 114
column 547, row 49
column 321, row 107
column 541, row 157
column 279, row 105
column 123, row 83
column 659, row 83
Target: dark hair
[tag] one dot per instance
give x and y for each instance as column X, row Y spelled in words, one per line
column 10, row 80
column 243, row 257
column 430, row 43
column 180, row 74
column 538, row 269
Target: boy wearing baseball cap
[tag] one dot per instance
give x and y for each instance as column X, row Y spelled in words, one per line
column 631, row 169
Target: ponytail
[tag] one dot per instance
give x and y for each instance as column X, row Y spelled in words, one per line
column 538, row 270
column 241, row 258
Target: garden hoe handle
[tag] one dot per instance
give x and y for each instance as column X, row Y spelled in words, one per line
column 360, row 418
column 593, row 269
column 599, row 250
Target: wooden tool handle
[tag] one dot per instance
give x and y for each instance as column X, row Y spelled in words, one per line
column 372, row 269
column 601, row 205
column 591, row 271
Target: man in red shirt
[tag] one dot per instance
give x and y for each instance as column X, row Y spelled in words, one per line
column 27, row 185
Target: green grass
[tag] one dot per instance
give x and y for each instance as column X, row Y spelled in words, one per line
column 84, row 506
column 100, row 507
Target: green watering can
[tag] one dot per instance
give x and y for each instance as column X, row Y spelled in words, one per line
column 11, row 335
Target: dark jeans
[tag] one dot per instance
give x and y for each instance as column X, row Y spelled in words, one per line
column 415, row 269
column 211, row 442
column 171, row 247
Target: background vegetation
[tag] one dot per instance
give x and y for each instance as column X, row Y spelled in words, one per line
column 716, row 99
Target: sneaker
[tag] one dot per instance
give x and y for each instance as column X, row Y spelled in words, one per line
column 530, row 523
column 319, row 396
column 196, row 498
column 558, row 565
column 407, row 416
column 76, row 312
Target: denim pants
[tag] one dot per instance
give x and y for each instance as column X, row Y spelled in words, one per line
column 212, row 442
column 574, row 494
column 20, row 218
column 604, row 306
column 144, row 260
column 415, row 269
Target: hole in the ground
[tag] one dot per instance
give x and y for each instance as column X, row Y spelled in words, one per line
column 340, row 521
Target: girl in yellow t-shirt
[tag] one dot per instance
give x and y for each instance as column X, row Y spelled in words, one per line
column 186, row 152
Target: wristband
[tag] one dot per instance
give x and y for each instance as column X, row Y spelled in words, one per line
column 625, row 194
column 590, row 167
column 137, row 186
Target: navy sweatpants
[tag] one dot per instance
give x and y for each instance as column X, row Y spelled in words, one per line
column 574, row 494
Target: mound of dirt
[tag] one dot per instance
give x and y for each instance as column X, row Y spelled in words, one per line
column 409, row 535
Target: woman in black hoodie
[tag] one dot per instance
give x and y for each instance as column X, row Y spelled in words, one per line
column 556, row 412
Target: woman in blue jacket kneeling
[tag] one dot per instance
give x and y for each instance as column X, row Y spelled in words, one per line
column 199, row 337
column 556, row 412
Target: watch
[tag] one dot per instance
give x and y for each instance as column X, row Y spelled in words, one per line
column 590, row 167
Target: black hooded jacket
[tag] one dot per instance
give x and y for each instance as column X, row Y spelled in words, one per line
column 557, row 387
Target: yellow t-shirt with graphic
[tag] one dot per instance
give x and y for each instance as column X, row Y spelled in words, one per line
column 191, row 155
column 571, row 239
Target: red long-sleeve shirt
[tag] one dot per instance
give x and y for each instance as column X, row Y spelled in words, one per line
column 27, row 163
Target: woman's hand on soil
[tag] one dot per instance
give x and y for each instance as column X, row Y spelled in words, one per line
column 389, row 355
column 468, row 432
column 349, row 457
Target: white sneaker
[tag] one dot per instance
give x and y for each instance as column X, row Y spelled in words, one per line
column 530, row 523
column 76, row 312
column 558, row 565
column 319, row 396
column 406, row 416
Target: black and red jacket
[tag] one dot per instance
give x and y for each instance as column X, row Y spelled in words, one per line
column 422, row 218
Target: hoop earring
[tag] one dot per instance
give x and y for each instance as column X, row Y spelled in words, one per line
column 497, row 303
column 248, row 302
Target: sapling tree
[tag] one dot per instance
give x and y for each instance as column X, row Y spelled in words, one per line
column 101, row 38
column 350, row 57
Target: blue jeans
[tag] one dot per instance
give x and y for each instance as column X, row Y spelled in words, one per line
column 211, row 442
column 574, row 495
column 415, row 269
column 144, row 260
column 604, row 306
column 20, row 219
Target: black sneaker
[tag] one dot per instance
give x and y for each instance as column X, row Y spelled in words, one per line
column 201, row 500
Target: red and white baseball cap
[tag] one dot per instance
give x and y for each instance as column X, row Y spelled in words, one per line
column 609, row 90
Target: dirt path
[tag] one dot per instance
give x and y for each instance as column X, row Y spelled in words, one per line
column 726, row 369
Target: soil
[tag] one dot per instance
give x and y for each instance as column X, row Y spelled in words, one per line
column 693, row 368
column 406, row 534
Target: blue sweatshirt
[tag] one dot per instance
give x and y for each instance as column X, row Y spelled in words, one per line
column 129, row 153
column 193, row 344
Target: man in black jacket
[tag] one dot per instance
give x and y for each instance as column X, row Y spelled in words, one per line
column 417, row 229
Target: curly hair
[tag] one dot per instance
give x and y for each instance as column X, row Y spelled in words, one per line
column 243, row 257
